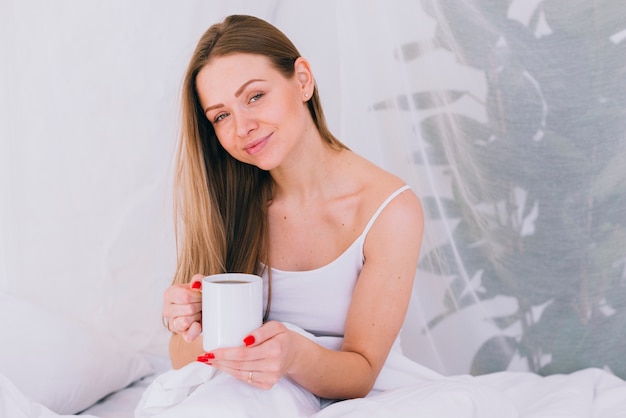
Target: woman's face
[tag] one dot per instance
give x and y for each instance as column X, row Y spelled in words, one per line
column 257, row 113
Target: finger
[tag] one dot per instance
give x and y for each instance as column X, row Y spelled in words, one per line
column 192, row 332
column 241, row 372
column 234, row 357
column 196, row 282
column 180, row 294
column 182, row 323
column 253, row 345
column 267, row 331
column 175, row 325
column 239, row 361
column 250, row 375
column 172, row 311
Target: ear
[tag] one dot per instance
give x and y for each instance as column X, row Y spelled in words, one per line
column 304, row 77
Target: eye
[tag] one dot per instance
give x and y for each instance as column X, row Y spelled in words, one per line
column 256, row 97
column 220, row 117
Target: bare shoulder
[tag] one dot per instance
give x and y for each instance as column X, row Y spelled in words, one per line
column 403, row 214
column 378, row 184
column 402, row 218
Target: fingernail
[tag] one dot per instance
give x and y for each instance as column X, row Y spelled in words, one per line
column 249, row 340
column 204, row 358
column 196, row 285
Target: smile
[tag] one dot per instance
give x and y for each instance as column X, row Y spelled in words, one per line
column 257, row 145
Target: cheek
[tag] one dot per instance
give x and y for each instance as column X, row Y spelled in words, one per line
column 291, row 111
column 223, row 136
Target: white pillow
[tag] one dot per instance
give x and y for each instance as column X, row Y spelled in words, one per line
column 60, row 362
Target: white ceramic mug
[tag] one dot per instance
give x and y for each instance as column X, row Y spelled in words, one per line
column 232, row 307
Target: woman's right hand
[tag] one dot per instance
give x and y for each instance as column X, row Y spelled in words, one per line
column 182, row 308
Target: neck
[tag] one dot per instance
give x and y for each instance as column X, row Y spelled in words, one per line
column 309, row 174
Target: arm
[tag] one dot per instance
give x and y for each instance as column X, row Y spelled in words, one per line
column 378, row 308
column 377, row 311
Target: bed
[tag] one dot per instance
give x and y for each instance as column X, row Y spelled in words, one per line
column 85, row 194
column 55, row 366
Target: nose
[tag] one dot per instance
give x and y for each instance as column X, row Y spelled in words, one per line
column 245, row 124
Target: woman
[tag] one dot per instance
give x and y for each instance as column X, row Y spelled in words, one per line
column 265, row 188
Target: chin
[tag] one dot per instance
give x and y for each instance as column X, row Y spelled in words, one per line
column 266, row 167
column 266, row 164
column 261, row 165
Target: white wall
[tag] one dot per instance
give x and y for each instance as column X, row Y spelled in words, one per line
column 88, row 124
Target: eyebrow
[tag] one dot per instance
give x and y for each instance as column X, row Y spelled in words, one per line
column 237, row 93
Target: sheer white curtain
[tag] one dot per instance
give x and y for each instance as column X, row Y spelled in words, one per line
column 509, row 119
column 506, row 117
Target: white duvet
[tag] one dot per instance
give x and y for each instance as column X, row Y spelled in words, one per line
column 589, row 393
column 403, row 389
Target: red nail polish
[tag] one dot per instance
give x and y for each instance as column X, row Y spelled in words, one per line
column 196, row 285
column 249, row 340
column 204, row 358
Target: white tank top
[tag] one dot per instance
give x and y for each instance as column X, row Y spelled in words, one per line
column 318, row 300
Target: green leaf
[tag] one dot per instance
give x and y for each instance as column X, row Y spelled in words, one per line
column 561, row 333
column 430, row 156
column 420, row 101
column 439, row 260
column 413, row 50
column 608, row 344
column 440, row 208
column 504, row 322
column 612, row 179
column 494, row 355
column 516, row 106
column 612, row 248
column 597, row 18
column 466, row 32
column 434, row 99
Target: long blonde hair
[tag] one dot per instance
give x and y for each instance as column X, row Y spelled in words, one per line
column 221, row 203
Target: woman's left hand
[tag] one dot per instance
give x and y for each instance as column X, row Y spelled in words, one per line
column 263, row 360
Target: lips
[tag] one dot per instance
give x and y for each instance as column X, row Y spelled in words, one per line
column 256, row 145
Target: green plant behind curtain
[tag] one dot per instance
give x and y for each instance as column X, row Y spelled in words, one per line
column 540, row 187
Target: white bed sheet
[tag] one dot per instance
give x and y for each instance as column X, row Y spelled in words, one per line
column 589, row 393
column 122, row 404
column 403, row 389
column 188, row 393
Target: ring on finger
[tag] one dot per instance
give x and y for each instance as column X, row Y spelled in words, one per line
column 250, row 377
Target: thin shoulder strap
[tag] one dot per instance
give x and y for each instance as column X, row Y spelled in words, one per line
column 383, row 206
